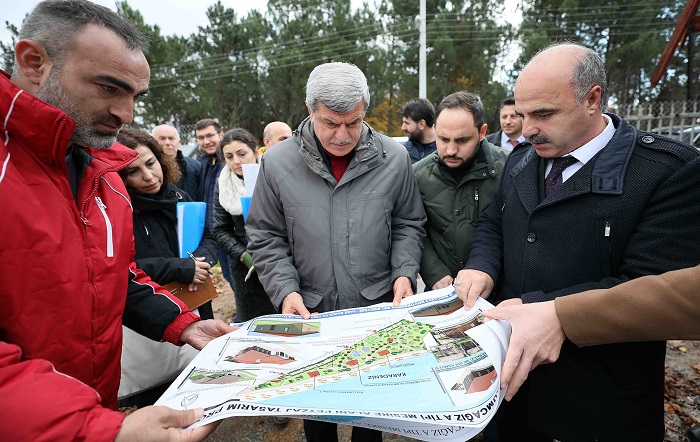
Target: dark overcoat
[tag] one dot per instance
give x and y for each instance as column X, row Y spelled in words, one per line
column 632, row 210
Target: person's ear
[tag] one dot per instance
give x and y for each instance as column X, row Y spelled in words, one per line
column 593, row 99
column 33, row 61
column 482, row 131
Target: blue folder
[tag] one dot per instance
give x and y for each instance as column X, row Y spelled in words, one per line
column 190, row 226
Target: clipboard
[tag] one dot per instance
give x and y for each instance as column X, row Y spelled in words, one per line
column 205, row 293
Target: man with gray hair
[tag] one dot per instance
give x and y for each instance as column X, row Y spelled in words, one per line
column 336, row 219
column 589, row 203
column 68, row 275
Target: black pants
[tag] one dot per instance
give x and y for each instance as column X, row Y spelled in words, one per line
column 512, row 420
column 317, row 431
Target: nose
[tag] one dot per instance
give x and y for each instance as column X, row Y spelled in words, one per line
column 451, row 148
column 341, row 133
column 529, row 131
column 147, row 175
column 123, row 110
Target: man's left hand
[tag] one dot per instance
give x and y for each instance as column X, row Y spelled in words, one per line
column 536, row 339
column 198, row 334
column 402, row 289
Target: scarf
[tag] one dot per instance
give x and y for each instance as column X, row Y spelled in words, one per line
column 231, row 189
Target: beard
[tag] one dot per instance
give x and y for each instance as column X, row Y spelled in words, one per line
column 85, row 134
column 415, row 136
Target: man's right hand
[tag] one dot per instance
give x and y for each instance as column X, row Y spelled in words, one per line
column 163, row 424
column 470, row 284
column 293, row 304
column 442, row 283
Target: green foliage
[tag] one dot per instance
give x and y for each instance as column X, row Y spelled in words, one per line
column 630, row 36
column 249, row 70
column 7, row 51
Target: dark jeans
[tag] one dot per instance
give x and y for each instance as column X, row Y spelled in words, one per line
column 225, row 263
column 317, row 431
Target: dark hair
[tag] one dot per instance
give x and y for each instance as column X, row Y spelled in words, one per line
column 133, row 138
column 509, row 101
column 54, row 23
column 467, row 101
column 420, row 109
column 239, row 134
column 206, row 122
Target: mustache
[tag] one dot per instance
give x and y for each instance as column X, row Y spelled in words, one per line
column 341, row 143
column 539, row 139
column 111, row 120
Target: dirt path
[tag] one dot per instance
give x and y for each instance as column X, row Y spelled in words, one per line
column 682, row 398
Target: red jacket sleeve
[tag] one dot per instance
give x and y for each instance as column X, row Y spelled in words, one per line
column 153, row 311
column 41, row 403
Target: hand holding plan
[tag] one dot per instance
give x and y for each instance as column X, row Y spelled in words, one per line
column 471, row 284
column 536, row 339
column 198, row 334
column 402, row 289
column 293, row 304
column 152, row 424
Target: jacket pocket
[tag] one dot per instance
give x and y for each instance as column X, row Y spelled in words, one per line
column 369, row 237
column 376, row 285
column 311, row 295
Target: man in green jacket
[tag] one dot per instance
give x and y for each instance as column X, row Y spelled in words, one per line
column 456, row 184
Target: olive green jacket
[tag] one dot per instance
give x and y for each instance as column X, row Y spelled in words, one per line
column 453, row 204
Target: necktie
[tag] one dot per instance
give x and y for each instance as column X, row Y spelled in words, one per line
column 554, row 178
column 513, row 142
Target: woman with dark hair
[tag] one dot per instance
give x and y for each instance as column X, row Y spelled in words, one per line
column 149, row 181
column 238, row 147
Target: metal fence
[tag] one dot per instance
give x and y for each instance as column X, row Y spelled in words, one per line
column 676, row 119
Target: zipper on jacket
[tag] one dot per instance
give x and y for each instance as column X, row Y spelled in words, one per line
column 476, row 202
column 607, row 229
column 148, row 237
column 108, row 226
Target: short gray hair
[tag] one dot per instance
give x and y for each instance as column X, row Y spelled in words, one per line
column 590, row 72
column 338, row 86
column 54, row 23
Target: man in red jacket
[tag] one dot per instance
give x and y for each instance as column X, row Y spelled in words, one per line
column 67, row 277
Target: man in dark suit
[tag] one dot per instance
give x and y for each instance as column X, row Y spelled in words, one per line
column 591, row 203
column 511, row 133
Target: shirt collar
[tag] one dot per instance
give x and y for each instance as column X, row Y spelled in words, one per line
column 590, row 149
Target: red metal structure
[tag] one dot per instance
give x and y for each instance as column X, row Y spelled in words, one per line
column 686, row 26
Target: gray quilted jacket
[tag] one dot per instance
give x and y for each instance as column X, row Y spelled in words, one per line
column 339, row 245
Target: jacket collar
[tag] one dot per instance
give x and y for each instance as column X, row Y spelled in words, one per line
column 364, row 151
column 483, row 158
column 608, row 167
column 45, row 129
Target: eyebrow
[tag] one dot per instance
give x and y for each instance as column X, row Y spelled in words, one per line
column 544, row 110
column 122, row 84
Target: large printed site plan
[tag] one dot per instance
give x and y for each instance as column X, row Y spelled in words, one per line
column 427, row 369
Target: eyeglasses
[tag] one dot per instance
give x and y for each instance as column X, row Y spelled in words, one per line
column 207, row 136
